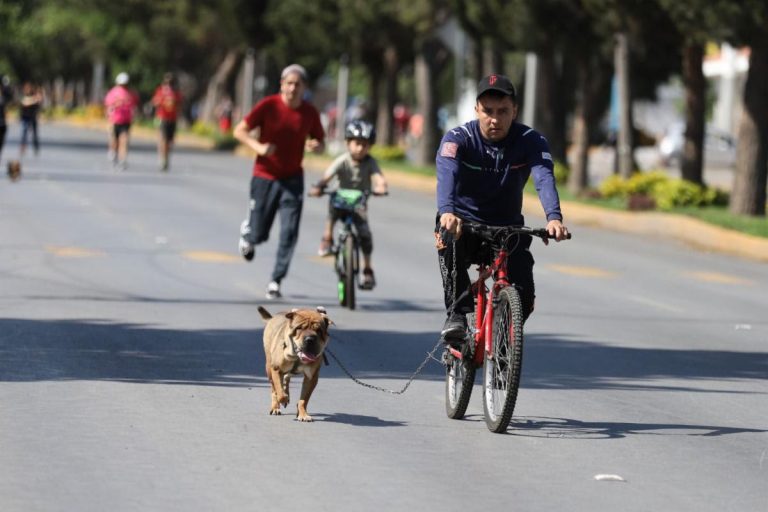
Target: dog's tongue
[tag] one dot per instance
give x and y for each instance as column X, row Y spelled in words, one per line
column 306, row 358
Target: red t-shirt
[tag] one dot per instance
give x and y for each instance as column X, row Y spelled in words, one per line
column 166, row 101
column 286, row 128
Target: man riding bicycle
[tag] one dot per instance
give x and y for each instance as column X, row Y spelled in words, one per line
column 482, row 168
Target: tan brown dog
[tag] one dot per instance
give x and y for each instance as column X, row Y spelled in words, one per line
column 293, row 344
column 14, row 170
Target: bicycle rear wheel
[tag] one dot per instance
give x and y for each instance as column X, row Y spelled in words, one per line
column 350, row 272
column 501, row 373
column 459, row 380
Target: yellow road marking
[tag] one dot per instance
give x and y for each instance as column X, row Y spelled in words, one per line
column 72, row 252
column 583, row 271
column 716, row 277
column 210, row 256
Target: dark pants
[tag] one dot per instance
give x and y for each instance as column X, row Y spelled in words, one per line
column 469, row 250
column 168, row 129
column 3, row 130
column 268, row 197
column 29, row 125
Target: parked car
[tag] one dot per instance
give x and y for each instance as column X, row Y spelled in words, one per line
column 719, row 147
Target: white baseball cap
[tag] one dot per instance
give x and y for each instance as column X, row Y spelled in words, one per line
column 122, row 78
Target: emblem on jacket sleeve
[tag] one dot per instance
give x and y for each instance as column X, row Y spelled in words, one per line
column 449, row 149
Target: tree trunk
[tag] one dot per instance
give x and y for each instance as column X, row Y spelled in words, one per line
column 384, row 122
column 578, row 178
column 374, row 93
column 477, row 58
column 218, row 85
column 493, row 61
column 424, row 69
column 549, row 116
column 625, row 144
column 748, row 195
column 692, row 162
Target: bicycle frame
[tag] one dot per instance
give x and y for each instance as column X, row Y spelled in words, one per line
column 483, row 330
column 346, row 230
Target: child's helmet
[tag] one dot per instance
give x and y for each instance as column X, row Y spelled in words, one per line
column 359, row 129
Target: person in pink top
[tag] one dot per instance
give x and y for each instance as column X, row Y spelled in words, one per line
column 120, row 103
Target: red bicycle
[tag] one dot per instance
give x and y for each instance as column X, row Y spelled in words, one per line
column 495, row 335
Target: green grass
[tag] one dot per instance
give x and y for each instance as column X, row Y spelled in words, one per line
column 715, row 215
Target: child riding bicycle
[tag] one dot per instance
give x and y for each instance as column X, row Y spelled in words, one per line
column 356, row 169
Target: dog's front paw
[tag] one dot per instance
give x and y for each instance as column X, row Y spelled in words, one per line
column 304, row 417
column 275, row 412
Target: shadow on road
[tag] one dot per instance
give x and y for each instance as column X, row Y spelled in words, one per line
column 554, row 362
column 575, row 429
column 40, row 350
column 357, row 420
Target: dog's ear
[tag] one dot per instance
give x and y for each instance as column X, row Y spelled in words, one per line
column 324, row 313
column 290, row 315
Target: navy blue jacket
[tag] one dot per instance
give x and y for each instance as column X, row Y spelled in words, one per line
column 483, row 181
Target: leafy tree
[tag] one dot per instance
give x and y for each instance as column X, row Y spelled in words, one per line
column 698, row 22
column 748, row 25
column 423, row 18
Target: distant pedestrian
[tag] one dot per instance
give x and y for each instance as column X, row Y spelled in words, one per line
column 166, row 100
column 224, row 113
column 120, row 103
column 288, row 126
column 30, row 104
column 6, row 96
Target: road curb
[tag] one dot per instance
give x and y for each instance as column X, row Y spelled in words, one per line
column 696, row 233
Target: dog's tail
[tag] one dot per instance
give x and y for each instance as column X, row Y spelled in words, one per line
column 264, row 313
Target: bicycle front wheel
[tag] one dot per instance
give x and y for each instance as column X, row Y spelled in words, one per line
column 501, row 371
column 459, row 379
column 350, row 272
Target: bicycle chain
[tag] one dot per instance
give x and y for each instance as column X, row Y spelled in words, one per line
column 430, row 355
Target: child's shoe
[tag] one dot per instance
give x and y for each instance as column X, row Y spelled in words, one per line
column 368, row 281
column 325, row 248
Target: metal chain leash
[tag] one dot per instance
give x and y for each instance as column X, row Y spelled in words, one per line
column 430, row 355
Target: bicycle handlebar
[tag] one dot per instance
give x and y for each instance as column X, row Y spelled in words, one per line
column 324, row 192
column 492, row 233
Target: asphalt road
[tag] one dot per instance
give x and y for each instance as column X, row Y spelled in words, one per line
column 132, row 373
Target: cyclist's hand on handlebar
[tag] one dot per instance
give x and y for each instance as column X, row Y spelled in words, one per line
column 316, row 190
column 556, row 230
column 452, row 224
column 380, row 191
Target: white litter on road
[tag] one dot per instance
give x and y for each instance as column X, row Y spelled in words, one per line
column 609, row 478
